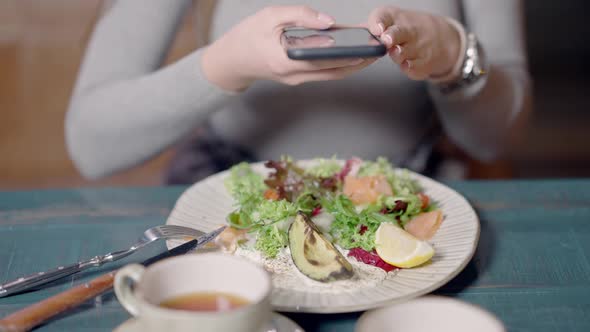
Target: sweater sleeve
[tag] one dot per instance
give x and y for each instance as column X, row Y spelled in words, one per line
column 485, row 119
column 125, row 107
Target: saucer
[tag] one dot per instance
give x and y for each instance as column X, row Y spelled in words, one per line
column 430, row 313
column 280, row 323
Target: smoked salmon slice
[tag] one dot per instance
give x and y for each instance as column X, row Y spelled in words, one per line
column 366, row 189
column 425, row 225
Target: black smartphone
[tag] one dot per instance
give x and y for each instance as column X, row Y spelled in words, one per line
column 334, row 43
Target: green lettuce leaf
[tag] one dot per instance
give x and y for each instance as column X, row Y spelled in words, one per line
column 269, row 212
column 379, row 167
column 244, row 185
column 256, row 213
column 270, row 240
column 348, row 224
column 324, row 168
column 413, row 208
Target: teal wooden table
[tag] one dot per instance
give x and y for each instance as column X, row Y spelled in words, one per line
column 531, row 268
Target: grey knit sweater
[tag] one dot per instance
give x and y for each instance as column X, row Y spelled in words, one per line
column 126, row 107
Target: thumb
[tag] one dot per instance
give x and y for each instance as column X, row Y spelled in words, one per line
column 380, row 19
column 299, row 16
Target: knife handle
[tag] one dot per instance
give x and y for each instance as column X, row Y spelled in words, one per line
column 40, row 278
column 31, row 316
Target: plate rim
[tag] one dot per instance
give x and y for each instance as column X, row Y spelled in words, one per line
column 376, row 304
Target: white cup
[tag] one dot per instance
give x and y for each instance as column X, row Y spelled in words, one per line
column 429, row 313
column 140, row 290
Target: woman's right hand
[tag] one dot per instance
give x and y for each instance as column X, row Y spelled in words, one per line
column 252, row 51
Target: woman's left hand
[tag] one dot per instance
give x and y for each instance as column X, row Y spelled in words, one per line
column 423, row 45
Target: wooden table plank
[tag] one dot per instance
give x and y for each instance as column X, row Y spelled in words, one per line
column 531, row 268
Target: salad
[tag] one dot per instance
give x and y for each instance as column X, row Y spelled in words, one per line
column 322, row 214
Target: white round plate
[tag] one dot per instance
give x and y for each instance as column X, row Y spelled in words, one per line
column 206, row 204
column 443, row 314
column 279, row 323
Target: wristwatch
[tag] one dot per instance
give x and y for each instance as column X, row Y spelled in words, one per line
column 473, row 71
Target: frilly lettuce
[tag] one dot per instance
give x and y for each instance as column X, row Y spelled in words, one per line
column 324, row 168
column 256, row 213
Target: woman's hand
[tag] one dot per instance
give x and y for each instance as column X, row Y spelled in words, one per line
column 252, row 51
column 424, row 46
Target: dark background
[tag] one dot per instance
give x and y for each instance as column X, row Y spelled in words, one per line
column 557, row 143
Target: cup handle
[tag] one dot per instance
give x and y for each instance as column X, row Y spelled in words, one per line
column 125, row 279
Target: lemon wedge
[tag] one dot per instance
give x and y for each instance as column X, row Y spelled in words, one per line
column 399, row 248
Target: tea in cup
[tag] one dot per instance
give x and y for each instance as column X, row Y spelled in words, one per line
column 197, row 292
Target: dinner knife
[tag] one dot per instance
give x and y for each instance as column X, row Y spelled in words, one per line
column 38, row 313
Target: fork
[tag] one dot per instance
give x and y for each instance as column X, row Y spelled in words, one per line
column 149, row 236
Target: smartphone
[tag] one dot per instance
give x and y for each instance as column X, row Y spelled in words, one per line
column 334, row 43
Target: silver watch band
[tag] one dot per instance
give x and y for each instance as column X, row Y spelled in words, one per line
column 473, row 70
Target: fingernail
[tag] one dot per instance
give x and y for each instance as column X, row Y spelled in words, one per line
column 381, row 28
column 387, row 40
column 327, row 43
column 398, row 49
column 356, row 62
column 326, row 18
column 407, row 64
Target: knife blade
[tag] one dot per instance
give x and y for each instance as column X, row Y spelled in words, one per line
column 186, row 247
column 38, row 313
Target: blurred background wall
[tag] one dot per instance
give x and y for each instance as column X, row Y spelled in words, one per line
column 42, row 41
